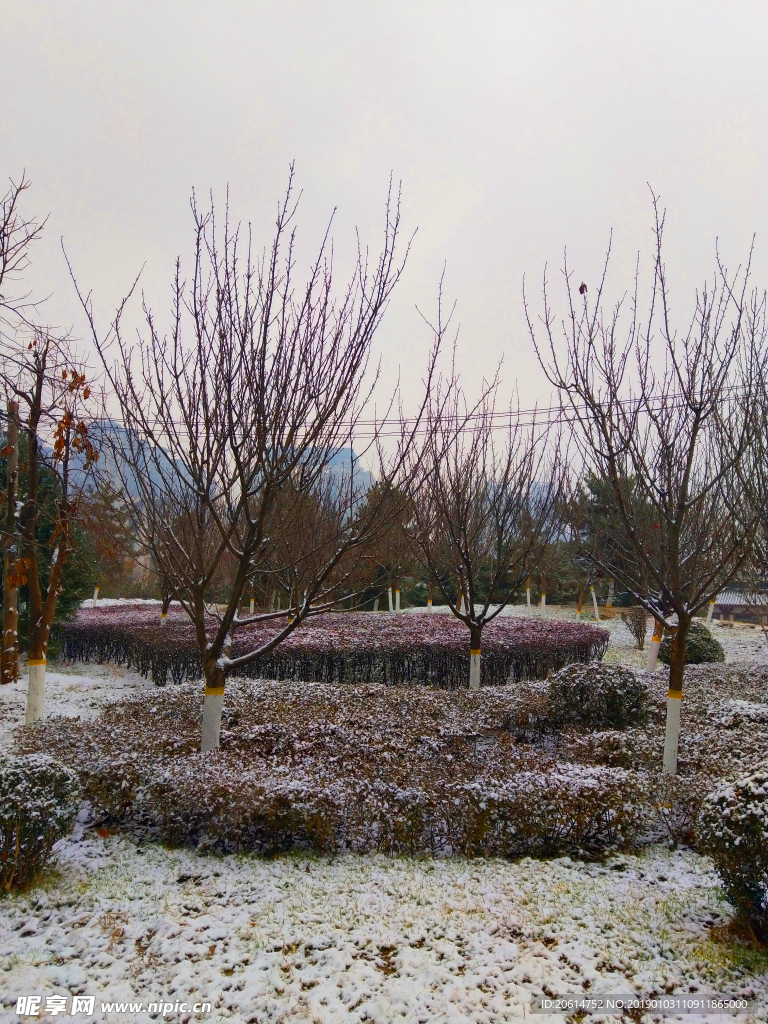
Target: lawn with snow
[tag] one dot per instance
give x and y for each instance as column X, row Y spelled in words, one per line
column 360, row 938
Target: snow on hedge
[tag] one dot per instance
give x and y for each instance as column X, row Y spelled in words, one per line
column 363, row 647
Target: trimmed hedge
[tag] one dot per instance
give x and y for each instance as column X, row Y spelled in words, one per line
column 733, row 830
column 598, row 697
column 361, row 768
column 412, row 649
column 39, row 800
column 701, row 648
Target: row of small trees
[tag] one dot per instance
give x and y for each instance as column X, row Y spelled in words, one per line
column 234, row 416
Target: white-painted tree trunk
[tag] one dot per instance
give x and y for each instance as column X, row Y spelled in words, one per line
column 474, row 670
column 95, row 594
column 528, row 598
column 711, row 609
column 594, row 602
column 429, row 604
column 252, row 606
column 653, row 648
column 376, row 604
column 389, row 597
column 543, row 604
column 214, row 698
column 35, row 691
column 609, row 602
column 461, row 604
column 672, row 735
column 397, row 600
column 163, row 618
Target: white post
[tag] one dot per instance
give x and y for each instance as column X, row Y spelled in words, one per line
column 397, row 600
column 543, row 603
column 95, row 594
column 594, row 602
column 35, row 691
column 214, row 698
column 528, row 596
column 711, row 609
column 474, row 669
column 389, row 597
column 653, row 649
column 672, row 734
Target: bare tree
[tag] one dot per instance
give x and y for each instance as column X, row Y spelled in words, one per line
column 50, row 387
column 12, row 565
column 17, row 233
column 255, row 388
column 483, row 504
column 667, row 420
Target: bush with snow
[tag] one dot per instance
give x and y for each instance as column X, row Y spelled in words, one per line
column 355, row 767
column 356, row 647
column 733, row 830
column 39, row 800
column 597, row 696
column 701, row 648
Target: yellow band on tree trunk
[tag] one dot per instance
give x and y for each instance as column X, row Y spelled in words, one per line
column 474, row 652
column 36, row 661
column 214, row 691
column 675, row 694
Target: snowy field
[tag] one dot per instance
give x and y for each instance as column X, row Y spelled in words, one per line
column 353, row 938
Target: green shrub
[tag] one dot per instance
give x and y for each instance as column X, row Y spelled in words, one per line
column 700, row 647
column 39, row 799
column 733, row 830
column 597, row 696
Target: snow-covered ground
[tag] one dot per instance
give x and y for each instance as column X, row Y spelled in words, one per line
column 79, row 690
column 357, row 938
column 366, row 938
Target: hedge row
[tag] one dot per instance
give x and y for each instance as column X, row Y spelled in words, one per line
column 364, row 647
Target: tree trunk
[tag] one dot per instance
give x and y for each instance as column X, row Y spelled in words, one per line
column 430, row 596
column 653, row 650
column 711, row 609
column 609, row 602
column 580, row 603
column 675, row 693
column 214, row 699
column 376, row 604
column 528, row 595
column 475, row 637
column 40, row 632
column 166, row 604
column 397, row 597
column 543, row 602
column 594, row 602
column 9, row 652
column 389, row 597
column 95, row 595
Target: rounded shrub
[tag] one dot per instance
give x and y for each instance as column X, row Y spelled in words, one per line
column 700, row 647
column 39, row 800
column 597, row 696
column 733, row 830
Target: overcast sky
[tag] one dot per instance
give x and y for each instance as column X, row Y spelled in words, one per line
column 517, row 128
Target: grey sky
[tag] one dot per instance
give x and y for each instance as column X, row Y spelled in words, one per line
column 516, row 128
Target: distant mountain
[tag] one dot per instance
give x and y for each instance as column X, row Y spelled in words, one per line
column 112, row 438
